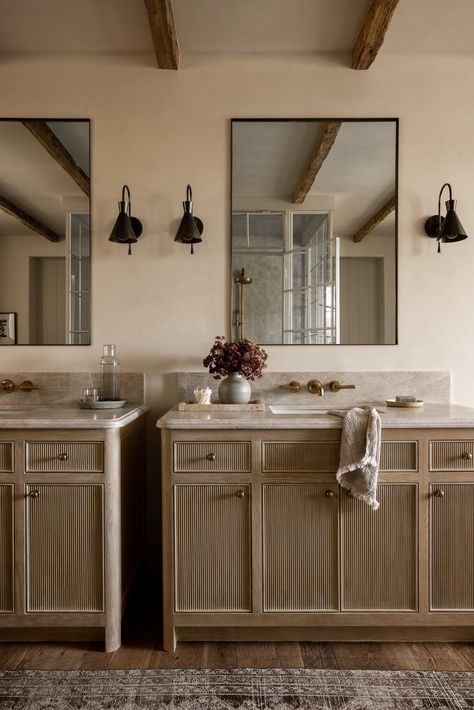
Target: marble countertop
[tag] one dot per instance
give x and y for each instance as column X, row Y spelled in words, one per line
column 428, row 416
column 64, row 417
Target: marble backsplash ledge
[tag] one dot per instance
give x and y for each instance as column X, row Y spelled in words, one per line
column 64, row 388
column 430, row 386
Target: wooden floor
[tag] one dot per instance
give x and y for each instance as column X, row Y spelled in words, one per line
column 141, row 648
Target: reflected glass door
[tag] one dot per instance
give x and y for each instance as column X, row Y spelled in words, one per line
column 79, row 278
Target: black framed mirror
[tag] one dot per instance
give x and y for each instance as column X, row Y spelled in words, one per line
column 314, row 231
column 45, row 244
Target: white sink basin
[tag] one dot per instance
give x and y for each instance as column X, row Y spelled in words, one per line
column 302, row 409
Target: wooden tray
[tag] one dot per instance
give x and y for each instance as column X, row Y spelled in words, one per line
column 406, row 405
column 256, row 406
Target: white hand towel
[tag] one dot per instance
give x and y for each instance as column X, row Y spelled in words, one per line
column 360, row 454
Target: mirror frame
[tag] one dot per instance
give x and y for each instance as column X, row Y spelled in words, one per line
column 65, row 120
column 394, row 120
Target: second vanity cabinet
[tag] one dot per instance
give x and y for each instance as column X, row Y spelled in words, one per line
column 71, row 530
column 260, row 542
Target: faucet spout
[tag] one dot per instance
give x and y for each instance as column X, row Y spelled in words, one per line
column 7, row 385
column 316, row 387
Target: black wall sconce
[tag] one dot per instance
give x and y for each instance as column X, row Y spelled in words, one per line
column 126, row 229
column 190, row 228
column 445, row 229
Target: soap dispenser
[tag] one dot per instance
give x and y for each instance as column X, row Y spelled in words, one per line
column 109, row 374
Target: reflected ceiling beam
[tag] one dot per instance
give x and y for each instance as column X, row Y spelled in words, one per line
column 28, row 220
column 375, row 220
column 43, row 133
column 372, row 33
column 324, row 142
column 163, row 33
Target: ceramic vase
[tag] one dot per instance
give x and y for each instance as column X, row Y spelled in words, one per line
column 234, row 389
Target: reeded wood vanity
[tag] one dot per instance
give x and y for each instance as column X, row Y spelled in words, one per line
column 71, row 523
column 261, row 543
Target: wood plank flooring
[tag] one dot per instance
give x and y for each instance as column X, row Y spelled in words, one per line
column 141, row 648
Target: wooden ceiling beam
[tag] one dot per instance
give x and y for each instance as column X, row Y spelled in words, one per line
column 29, row 221
column 163, row 33
column 44, row 135
column 372, row 33
column 324, row 143
column 378, row 217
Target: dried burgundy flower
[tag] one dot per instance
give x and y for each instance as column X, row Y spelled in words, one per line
column 243, row 356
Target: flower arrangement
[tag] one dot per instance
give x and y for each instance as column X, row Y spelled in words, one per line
column 243, row 357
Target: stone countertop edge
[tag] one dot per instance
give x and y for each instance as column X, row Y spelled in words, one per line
column 426, row 417
column 73, row 418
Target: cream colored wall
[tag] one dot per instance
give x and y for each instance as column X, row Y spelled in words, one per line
column 158, row 130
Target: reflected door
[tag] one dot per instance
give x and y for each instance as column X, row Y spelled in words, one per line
column 47, row 313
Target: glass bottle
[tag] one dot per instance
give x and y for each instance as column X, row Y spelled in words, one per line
column 109, row 374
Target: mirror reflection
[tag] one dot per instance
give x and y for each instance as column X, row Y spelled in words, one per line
column 44, row 232
column 314, row 240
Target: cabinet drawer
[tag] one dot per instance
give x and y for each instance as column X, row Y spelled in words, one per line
column 6, row 457
column 399, row 456
column 451, row 455
column 300, row 456
column 207, row 457
column 69, row 456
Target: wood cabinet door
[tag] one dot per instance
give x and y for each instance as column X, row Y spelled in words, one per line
column 212, row 548
column 64, row 537
column 6, row 548
column 300, row 547
column 379, row 551
column 452, row 546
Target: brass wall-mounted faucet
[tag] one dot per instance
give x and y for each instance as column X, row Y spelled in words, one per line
column 28, row 386
column 293, row 386
column 7, row 385
column 316, row 387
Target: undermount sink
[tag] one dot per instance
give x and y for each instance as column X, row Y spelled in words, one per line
column 302, row 409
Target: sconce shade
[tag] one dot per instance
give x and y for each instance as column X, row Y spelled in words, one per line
column 445, row 229
column 190, row 228
column 126, row 229
column 452, row 229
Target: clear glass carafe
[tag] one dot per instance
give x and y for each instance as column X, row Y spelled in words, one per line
column 109, row 374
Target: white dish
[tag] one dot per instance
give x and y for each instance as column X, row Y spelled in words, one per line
column 106, row 404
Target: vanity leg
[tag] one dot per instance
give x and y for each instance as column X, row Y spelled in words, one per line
column 169, row 636
column 112, row 557
column 113, row 638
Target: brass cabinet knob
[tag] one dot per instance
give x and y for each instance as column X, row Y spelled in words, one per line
column 240, row 493
column 34, row 493
column 211, row 457
column 7, row 385
column 438, row 493
column 63, row 457
column 293, row 386
column 466, row 455
column 28, row 386
column 329, row 494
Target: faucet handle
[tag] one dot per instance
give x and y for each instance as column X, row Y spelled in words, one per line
column 294, row 386
column 28, row 386
column 335, row 386
column 316, row 387
column 7, row 385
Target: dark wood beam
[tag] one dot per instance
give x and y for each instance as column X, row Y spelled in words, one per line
column 43, row 133
column 372, row 33
column 28, row 220
column 163, row 33
column 324, row 143
column 375, row 220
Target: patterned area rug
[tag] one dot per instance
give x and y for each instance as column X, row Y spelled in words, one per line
column 242, row 689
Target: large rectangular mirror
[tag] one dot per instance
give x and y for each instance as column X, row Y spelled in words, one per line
column 45, row 289
column 314, row 231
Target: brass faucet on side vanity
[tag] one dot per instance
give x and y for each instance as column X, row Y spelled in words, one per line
column 26, row 386
column 7, row 385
